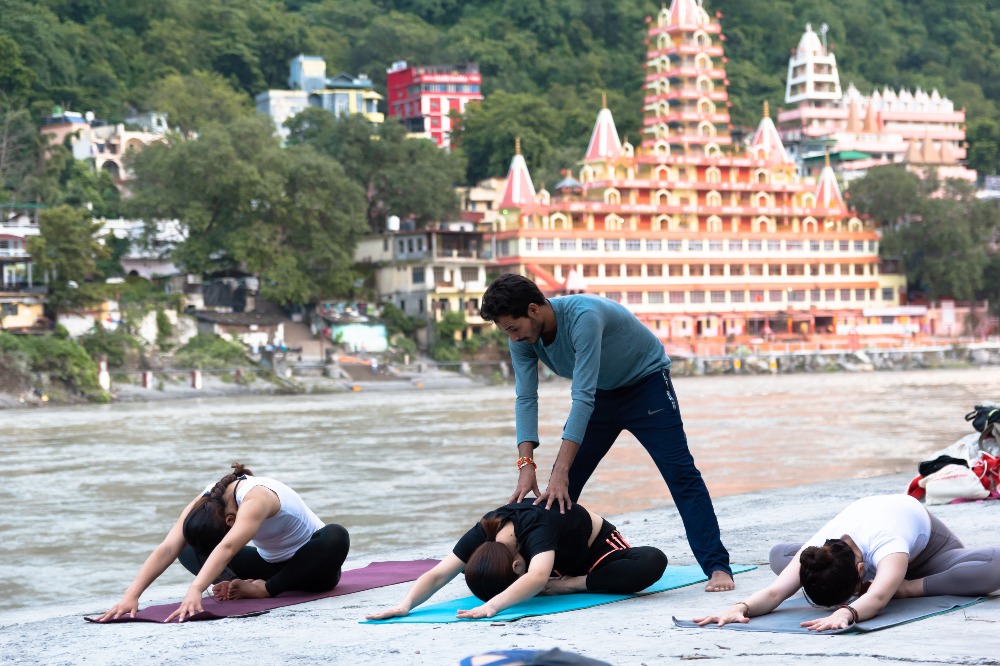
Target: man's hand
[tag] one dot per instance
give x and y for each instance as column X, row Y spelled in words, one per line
column 527, row 482
column 557, row 492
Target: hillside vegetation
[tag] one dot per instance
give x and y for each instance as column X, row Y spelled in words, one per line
column 552, row 57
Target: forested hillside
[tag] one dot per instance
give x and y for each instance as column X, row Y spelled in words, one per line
column 552, row 59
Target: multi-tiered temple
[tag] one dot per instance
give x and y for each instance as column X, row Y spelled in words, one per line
column 697, row 236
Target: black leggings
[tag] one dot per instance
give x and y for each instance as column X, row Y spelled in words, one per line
column 618, row 568
column 315, row 567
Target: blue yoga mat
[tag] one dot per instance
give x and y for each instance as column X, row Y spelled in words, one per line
column 673, row 578
column 785, row 619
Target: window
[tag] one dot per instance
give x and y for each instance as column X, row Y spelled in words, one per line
column 588, row 244
column 567, row 244
column 418, row 275
column 736, row 296
column 676, row 270
column 755, row 245
column 633, row 245
column 676, row 296
column 503, row 249
column 756, row 296
column 718, row 296
column 633, row 270
column 775, row 296
column 591, row 270
column 401, row 246
column 859, row 246
column 797, row 296
column 871, row 294
column 717, row 269
column 435, row 106
column 845, row 246
column 795, row 269
column 673, row 246
column 859, row 295
column 815, row 294
column 633, row 297
column 871, row 246
column 715, row 246
column 830, row 295
column 736, row 269
column 8, row 309
column 755, row 269
column 470, row 274
column 654, row 245
column 545, row 245
column 409, row 245
column 438, row 274
column 814, row 246
column 845, row 295
column 888, row 293
column 612, row 245
column 829, row 269
column 773, row 246
column 654, row 270
column 794, row 246
column 735, row 245
column 697, row 297
column 695, row 245
column 614, row 295
column 528, row 244
column 655, row 297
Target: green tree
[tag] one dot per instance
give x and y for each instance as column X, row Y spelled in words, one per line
column 193, row 101
column 15, row 76
column 945, row 248
column 67, row 250
column 410, row 178
column 83, row 186
column 290, row 216
column 889, row 195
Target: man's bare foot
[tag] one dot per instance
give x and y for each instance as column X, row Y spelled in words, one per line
column 720, row 582
column 247, row 589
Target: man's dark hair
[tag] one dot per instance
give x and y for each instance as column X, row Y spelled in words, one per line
column 510, row 295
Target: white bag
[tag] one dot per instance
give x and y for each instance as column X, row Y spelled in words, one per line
column 952, row 482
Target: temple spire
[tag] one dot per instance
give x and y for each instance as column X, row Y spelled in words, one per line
column 828, row 190
column 518, row 191
column 767, row 110
column 604, row 142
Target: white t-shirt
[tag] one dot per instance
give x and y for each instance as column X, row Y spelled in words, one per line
column 880, row 525
column 281, row 535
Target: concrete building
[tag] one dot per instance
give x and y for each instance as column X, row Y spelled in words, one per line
column 431, row 272
column 920, row 129
column 424, row 96
column 697, row 237
column 341, row 95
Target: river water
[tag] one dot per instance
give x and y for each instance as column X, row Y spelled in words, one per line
column 90, row 490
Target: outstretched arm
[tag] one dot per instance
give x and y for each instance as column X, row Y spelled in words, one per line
column 258, row 505
column 157, row 562
column 760, row 602
column 888, row 576
column 424, row 587
column 530, row 584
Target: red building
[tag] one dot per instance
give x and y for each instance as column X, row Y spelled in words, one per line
column 424, row 96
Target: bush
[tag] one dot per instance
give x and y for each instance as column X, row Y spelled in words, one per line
column 164, row 329
column 445, row 351
column 118, row 346
column 61, row 359
column 211, row 351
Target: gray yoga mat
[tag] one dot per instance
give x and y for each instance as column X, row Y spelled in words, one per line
column 787, row 617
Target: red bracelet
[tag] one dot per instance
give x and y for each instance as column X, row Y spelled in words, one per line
column 854, row 613
column 524, row 461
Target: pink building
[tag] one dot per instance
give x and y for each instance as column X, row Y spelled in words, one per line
column 424, row 96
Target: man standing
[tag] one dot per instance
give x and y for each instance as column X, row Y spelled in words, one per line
column 621, row 381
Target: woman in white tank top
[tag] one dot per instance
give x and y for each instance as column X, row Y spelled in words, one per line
column 292, row 548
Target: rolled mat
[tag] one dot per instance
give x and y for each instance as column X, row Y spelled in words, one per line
column 787, row 617
column 376, row 574
column 673, row 578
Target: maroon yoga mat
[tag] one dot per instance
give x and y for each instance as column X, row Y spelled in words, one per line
column 376, row 574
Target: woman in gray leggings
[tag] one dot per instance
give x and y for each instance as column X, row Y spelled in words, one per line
column 877, row 549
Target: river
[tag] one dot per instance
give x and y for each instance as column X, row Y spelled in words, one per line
column 90, row 490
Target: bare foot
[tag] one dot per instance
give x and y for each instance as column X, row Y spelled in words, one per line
column 221, row 590
column 247, row 589
column 720, row 582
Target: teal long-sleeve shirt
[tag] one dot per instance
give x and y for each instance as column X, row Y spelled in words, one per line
column 599, row 344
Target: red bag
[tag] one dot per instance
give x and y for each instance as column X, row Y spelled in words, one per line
column 987, row 468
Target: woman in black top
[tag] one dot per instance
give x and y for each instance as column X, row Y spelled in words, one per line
column 522, row 549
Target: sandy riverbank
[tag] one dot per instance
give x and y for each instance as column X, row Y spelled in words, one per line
column 627, row 633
